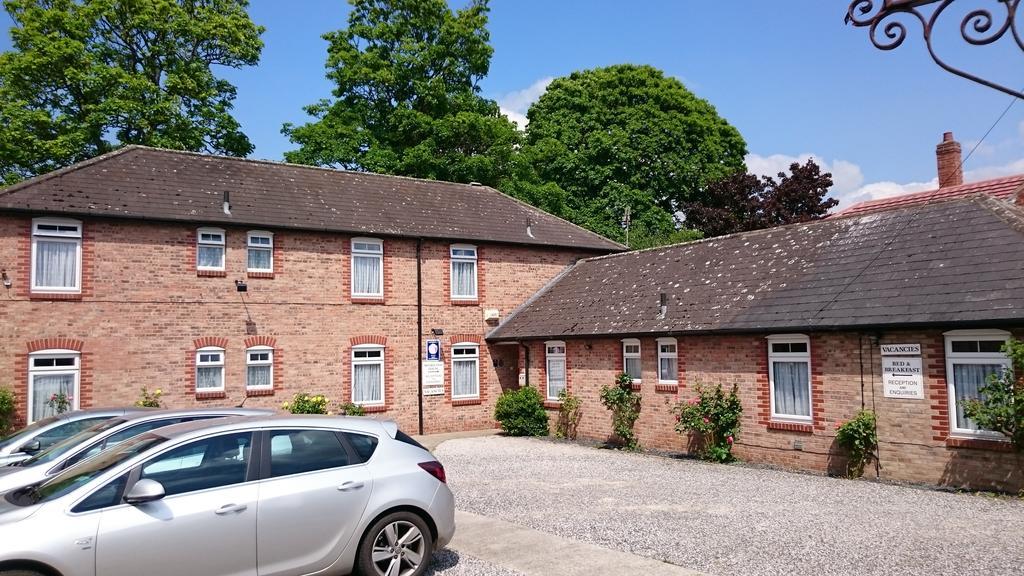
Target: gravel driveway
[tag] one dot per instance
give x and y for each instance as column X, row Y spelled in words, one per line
column 733, row 519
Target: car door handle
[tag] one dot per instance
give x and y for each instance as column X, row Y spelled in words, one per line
column 345, row 487
column 229, row 508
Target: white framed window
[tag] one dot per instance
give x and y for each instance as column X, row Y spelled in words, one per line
column 465, row 370
column 210, row 249
column 56, row 255
column 668, row 361
column 260, row 246
column 50, row 373
column 631, row 359
column 210, row 369
column 789, row 377
column 555, row 363
column 367, row 374
column 463, row 276
column 367, row 268
column 972, row 356
column 259, row 368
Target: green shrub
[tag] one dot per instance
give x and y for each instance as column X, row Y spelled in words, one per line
column 715, row 416
column 1001, row 406
column 303, row 403
column 8, row 411
column 568, row 415
column 858, row 437
column 351, row 409
column 625, row 406
column 521, row 413
column 149, row 399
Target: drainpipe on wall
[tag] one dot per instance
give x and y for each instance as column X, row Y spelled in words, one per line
column 419, row 330
column 526, row 361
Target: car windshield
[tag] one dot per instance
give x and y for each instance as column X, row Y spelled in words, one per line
column 81, row 474
column 27, row 431
column 65, row 446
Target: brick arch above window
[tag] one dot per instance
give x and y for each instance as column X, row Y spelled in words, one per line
column 58, row 343
column 208, row 341
column 268, row 341
column 360, row 340
column 460, row 338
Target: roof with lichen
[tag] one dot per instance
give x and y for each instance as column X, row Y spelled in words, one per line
column 955, row 262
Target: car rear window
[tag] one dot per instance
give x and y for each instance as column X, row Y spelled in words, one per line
column 363, row 444
column 403, row 437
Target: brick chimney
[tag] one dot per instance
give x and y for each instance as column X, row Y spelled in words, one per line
column 947, row 154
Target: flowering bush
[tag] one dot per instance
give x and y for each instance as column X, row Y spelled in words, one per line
column 715, row 417
column 149, row 399
column 859, row 439
column 8, row 411
column 625, row 406
column 351, row 409
column 303, row 403
column 60, row 402
column 1001, row 406
column 568, row 415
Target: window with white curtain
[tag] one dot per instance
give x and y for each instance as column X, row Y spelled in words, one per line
column 51, row 372
column 259, row 368
column 210, row 369
column 631, row 359
column 789, row 375
column 972, row 357
column 56, row 255
column 463, row 277
column 261, row 251
column 465, row 370
column 210, row 249
column 668, row 361
column 367, row 268
column 368, row 374
column 555, row 360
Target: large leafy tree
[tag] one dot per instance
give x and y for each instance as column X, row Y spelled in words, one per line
column 743, row 202
column 628, row 136
column 87, row 76
column 407, row 98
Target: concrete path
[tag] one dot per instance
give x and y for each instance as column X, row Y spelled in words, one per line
column 535, row 553
column 432, row 441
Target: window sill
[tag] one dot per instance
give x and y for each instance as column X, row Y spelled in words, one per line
column 467, row 402
column 259, row 392
column 552, row 405
column 211, row 273
column 473, row 302
column 267, row 275
column 636, row 386
column 980, row 444
column 666, row 388
column 362, row 300
column 375, row 408
column 791, row 427
column 55, row 296
column 211, row 395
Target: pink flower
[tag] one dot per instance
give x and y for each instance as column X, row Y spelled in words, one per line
column 706, row 421
column 694, row 401
column 729, row 440
column 839, row 425
column 678, row 418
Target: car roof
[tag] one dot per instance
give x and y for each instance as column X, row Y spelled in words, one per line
column 351, row 423
column 157, row 414
column 108, row 411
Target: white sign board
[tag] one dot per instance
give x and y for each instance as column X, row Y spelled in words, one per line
column 901, row 349
column 902, row 377
column 433, row 378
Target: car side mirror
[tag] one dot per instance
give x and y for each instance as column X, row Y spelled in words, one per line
column 144, row 491
column 32, row 447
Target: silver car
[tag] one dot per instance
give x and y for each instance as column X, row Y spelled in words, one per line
column 279, row 496
column 110, row 432
column 44, row 433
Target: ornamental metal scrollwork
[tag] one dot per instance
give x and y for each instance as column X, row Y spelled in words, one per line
column 980, row 27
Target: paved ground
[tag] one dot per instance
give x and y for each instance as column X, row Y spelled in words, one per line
column 727, row 519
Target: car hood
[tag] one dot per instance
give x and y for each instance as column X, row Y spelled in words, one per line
column 6, row 469
column 8, row 459
column 19, row 477
column 10, row 513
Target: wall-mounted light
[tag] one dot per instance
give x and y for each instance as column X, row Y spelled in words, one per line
column 437, row 331
column 6, row 279
column 241, row 286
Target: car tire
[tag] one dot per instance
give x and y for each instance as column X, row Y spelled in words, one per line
column 401, row 537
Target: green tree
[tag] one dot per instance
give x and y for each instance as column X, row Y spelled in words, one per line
column 1000, row 407
column 407, row 98
column 87, row 76
column 627, row 136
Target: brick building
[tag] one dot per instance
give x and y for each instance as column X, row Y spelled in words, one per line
column 126, row 271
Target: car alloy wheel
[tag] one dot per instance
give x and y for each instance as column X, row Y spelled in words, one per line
column 400, row 545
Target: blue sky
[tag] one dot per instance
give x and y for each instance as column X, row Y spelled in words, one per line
column 789, row 75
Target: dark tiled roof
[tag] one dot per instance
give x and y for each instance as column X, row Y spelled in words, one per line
column 959, row 261
column 1002, row 188
column 149, row 183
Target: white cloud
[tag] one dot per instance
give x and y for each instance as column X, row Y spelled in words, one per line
column 515, row 104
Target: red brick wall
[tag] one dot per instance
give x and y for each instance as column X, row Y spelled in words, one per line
column 144, row 306
column 913, row 434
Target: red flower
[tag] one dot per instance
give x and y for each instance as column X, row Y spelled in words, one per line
column 706, row 421
column 729, row 440
column 839, row 425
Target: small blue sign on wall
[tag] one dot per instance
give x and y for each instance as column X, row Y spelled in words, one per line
column 433, row 349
